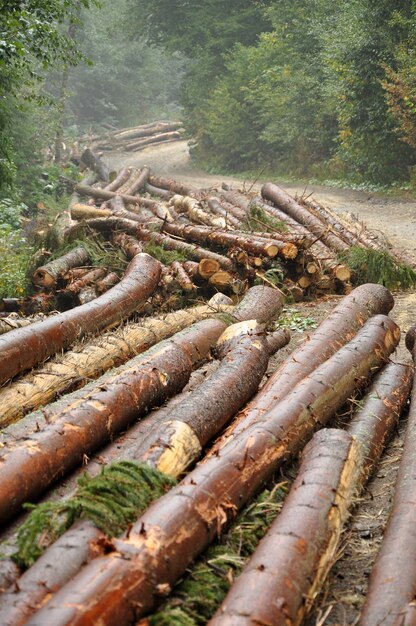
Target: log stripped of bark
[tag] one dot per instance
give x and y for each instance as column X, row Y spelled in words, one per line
column 194, row 252
column 87, row 419
column 23, row 348
column 85, row 211
column 281, row 199
column 123, row 586
column 338, row 328
column 277, row 587
column 392, row 585
column 65, row 372
column 47, row 275
column 122, row 177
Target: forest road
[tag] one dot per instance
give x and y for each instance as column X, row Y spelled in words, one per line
column 395, row 219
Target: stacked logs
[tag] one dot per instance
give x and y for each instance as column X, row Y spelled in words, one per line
column 139, row 137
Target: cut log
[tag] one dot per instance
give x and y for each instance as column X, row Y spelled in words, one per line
column 94, row 163
column 123, row 586
column 281, row 199
column 87, row 419
column 128, row 244
column 193, row 208
column 182, row 278
column 145, row 130
column 392, row 585
column 88, row 279
column 47, row 275
column 142, row 143
column 23, row 348
column 192, row 251
column 95, row 192
column 159, row 192
column 238, row 199
column 338, row 328
column 207, row 267
column 106, row 283
column 85, row 211
column 139, row 182
column 226, row 239
column 222, row 280
column 173, row 185
column 261, row 303
column 276, row 587
column 216, row 207
column 122, row 177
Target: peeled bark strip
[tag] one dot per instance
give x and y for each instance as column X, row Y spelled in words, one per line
column 122, row 586
column 194, row 252
column 23, row 348
column 392, row 585
column 82, row 422
column 47, row 275
column 277, row 587
column 258, row 247
column 338, row 328
column 280, row 580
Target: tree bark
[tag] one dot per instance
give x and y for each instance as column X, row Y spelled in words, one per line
column 276, row 587
column 216, row 207
column 103, row 194
column 225, row 239
column 109, row 281
column 392, row 585
column 173, row 185
column 122, row 177
column 95, row 164
column 142, row 143
column 147, row 130
column 139, row 182
column 23, row 348
column 122, row 586
column 195, row 212
column 280, row 198
column 82, row 422
column 337, row 329
column 194, row 252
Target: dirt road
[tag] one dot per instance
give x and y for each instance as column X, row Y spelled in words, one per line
column 396, row 220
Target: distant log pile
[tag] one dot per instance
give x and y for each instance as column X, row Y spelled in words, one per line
column 165, row 298
column 139, row 137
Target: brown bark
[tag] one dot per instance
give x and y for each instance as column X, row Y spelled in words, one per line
column 216, row 207
column 195, row 212
column 106, row 283
column 122, row 177
column 145, row 130
column 142, row 143
column 87, row 419
column 47, row 275
column 89, row 278
column 139, row 182
column 173, row 185
column 94, row 192
column 23, row 348
column 338, row 328
column 261, row 303
column 128, row 244
column 276, row 587
column 194, row 252
column 122, row 586
column 280, row 198
column 392, row 583
column 225, row 239
column 182, row 278
column 75, row 368
column 10, row 305
column 280, row 581
column 238, row 199
column 94, row 163
column 158, row 191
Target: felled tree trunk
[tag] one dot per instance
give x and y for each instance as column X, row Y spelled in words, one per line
column 392, row 586
column 23, row 348
column 147, row 130
column 276, row 587
column 139, row 182
column 95, row 164
column 216, row 207
column 123, row 586
column 280, row 198
column 192, row 251
column 160, row 138
column 122, row 177
column 338, row 328
column 223, row 238
column 109, row 281
column 103, row 194
column 182, row 278
column 85, row 211
column 87, row 419
column 192, row 207
column 172, row 185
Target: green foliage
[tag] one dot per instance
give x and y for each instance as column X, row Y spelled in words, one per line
column 14, row 258
column 293, row 320
column 205, row 585
column 164, row 256
column 112, row 500
column 373, row 266
column 258, row 219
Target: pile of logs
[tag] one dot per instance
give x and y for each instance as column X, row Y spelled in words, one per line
column 158, row 427
column 138, row 137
